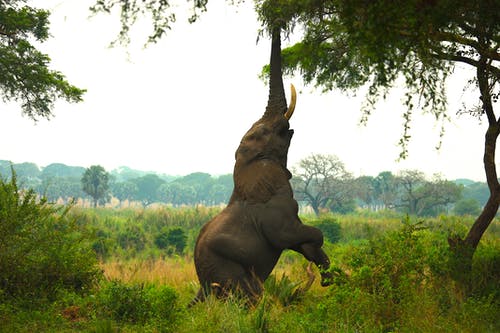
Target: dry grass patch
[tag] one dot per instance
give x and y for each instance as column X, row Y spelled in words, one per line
column 176, row 272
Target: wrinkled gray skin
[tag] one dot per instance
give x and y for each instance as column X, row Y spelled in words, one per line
column 237, row 250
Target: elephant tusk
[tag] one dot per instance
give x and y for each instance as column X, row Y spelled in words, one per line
column 291, row 108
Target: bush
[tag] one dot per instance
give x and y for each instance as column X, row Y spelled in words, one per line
column 331, row 230
column 387, row 274
column 41, row 248
column 174, row 238
column 139, row 303
column 132, row 238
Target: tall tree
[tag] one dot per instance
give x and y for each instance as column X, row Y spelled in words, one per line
column 384, row 186
column 350, row 43
column 95, row 183
column 322, row 181
column 25, row 75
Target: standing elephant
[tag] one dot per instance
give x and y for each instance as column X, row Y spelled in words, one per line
column 238, row 248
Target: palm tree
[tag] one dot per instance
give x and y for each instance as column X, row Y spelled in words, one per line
column 95, row 183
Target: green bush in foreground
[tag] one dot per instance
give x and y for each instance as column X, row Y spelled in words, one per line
column 42, row 250
column 140, row 304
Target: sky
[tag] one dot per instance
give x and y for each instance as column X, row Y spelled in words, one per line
column 182, row 105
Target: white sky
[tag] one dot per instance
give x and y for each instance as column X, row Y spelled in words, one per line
column 182, row 105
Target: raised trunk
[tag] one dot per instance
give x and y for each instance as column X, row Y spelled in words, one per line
column 276, row 104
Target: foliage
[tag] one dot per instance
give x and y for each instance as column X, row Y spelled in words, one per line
column 140, row 304
column 132, row 238
column 26, row 76
column 396, row 276
column 173, row 238
column 422, row 197
column 147, row 188
column 95, row 183
column 331, row 229
column 389, row 276
column 348, row 44
column 467, row 207
column 283, row 289
column 159, row 11
column 385, row 191
column 42, row 249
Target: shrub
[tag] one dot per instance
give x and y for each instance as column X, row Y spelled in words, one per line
column 331, row 230
column 41, row 248
column 174, row 238
column 386, row 274
column 132, row 238
column 140, row 304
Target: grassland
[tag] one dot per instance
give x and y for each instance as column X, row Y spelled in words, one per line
column 393, row 274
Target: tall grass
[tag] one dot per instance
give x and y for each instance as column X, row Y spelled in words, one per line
column 392, row 275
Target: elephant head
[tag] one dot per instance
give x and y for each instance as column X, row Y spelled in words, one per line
column 238, row 248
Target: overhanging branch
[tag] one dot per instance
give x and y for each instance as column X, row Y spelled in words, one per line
column 495, row 71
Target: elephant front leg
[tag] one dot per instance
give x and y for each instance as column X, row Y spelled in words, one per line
column 316, row 254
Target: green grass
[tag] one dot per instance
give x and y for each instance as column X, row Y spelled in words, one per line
column 390, row 277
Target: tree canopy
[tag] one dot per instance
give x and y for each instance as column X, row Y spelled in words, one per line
column 347, row 44
column 25, row 73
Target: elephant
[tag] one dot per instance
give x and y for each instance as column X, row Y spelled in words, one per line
column 238, row 249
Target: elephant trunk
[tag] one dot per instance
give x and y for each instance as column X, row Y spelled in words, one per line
column 276, row 104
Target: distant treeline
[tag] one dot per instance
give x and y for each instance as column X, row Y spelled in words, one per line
column 403, row 192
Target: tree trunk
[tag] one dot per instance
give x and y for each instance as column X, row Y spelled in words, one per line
column 464, row 249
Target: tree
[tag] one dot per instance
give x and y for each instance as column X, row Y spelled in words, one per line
column 364, row 190
column 467, row 207
column 409, row 181
column 439, row 195
column 418, row 196
column 350, row 43
column 62, row 170
column 124, row 190
column 322, row 181
column 200, row 182
column 384, row 186
column 25, row 75
column 177, row 193
column 95, row 183
column 147, row 188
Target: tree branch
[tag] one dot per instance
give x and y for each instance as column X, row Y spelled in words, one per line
column 453, row 57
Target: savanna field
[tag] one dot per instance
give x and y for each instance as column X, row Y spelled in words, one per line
column 132, row 270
